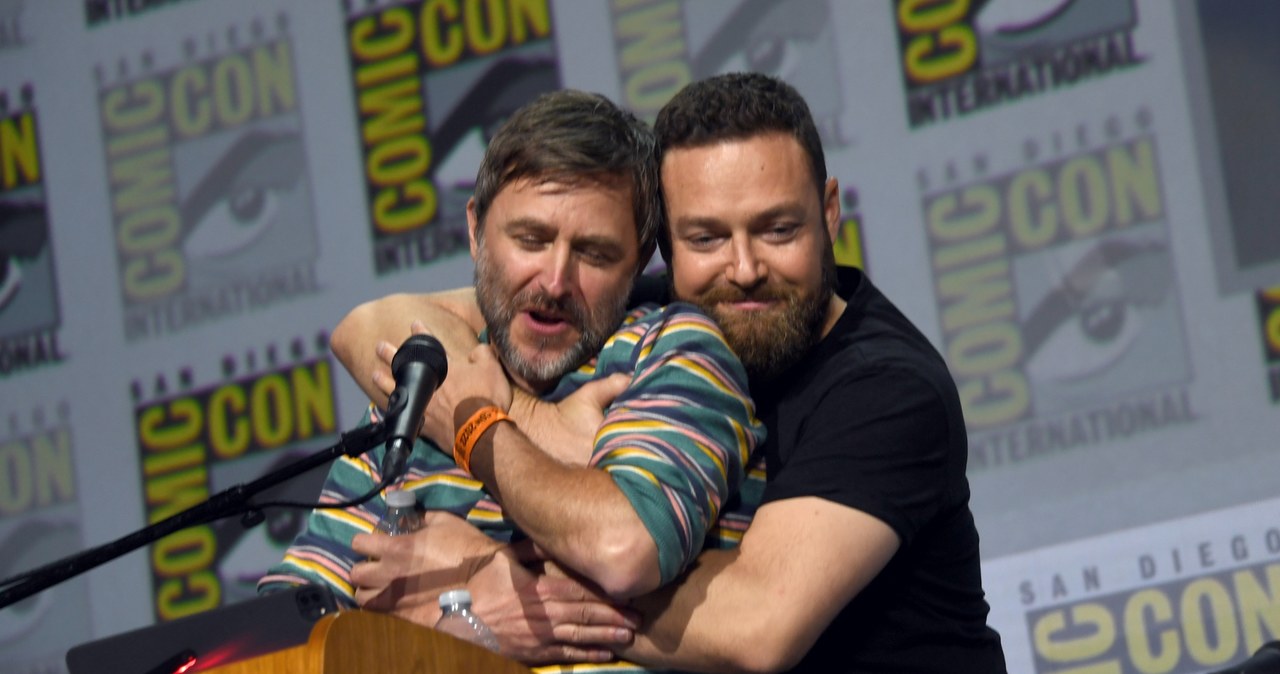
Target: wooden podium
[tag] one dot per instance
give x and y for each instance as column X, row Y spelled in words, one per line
column 364, row 641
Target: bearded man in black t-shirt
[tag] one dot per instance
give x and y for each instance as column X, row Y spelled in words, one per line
column 863, row 556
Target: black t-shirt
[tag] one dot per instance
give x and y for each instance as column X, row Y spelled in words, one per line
column 870, row 419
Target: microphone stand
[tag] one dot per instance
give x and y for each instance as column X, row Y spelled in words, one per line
column 233, row 501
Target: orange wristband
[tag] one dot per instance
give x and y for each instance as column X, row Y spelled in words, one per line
column 469, row 434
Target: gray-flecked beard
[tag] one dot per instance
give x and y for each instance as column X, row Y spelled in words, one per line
column 500, row 308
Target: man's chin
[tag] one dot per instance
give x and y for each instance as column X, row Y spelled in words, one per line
column 543, row 366
column 738, row 324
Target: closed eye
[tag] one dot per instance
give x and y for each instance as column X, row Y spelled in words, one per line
column 782, row 231
column 702, row 240
column 599, row 255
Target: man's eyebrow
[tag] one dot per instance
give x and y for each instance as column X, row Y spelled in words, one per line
column 704, row 221
column 604, row 243
column 791, row 210
column 526, row 223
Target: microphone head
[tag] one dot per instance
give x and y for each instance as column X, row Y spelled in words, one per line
column 423, row 349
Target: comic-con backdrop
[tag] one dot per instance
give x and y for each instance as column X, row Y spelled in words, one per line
column 1073, row 198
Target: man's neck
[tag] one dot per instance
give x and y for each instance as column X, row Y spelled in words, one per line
column 835, row 309
column 533, row 388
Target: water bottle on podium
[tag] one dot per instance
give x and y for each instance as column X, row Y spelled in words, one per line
column 402, row 514
column 457, row 620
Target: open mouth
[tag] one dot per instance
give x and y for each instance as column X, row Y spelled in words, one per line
column 547, row 321
column 546, row 317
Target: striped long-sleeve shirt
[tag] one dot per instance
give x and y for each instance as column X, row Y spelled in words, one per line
column 677, row 442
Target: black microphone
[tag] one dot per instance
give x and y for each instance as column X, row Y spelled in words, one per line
column 418, row 367
column 1265, row 661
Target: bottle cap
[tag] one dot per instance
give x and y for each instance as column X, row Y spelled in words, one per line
column 462, row 597
column 401, row 499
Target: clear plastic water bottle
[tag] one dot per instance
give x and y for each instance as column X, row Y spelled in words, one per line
column 457, row 619
column 402, row 515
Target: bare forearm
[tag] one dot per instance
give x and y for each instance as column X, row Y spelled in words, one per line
column 450, row 315
column 801, row 561
column 683, row 624
column 577, row 515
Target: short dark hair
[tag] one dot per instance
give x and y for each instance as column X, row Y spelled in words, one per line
column 574, row 136
column 736, row 106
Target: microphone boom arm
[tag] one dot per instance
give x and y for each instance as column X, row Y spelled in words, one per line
column 232, row 501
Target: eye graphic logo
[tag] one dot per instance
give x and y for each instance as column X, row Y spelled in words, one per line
column 662, row 46
column 211, row 201
column 196, row 442
column 959, row 57
column 431, row 88
column 1057, row 295
column 793, row 41
column 40, row 522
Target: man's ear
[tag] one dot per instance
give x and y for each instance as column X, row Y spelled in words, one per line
column 472, row 223
column 831, row 207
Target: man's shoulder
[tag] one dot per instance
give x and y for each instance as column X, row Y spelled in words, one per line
column 651, row 321
column 654, row 312
column 655, row 332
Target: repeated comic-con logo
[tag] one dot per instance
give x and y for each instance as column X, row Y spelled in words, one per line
column 99, row 12
column 1193, row 613
column 662, row 45
column 194, row 442
column 1184, row 596
column 433, row 81
column 1056, row 292
column 30, row 318
column 210, row 197
column 40, row 523
column 1269, row 322
column 962, row 56
column 11, row 36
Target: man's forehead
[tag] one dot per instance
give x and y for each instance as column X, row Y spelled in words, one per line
column 762, row 172
column 598, row 208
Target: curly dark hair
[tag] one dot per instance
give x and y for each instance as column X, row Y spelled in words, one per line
column 735, row 106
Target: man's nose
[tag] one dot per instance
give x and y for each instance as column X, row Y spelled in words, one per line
column 745, row 269
column 558, row 275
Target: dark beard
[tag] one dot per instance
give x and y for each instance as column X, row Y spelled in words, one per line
column 594, row 327
column 769, row 343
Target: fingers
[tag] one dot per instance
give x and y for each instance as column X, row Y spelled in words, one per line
column 567, row 642
column 568, row 653
column 610, row 387
column 570, row 603
column 563, row 588
column 592, row 635
column 374, row 586
column 559, row 653
column 371, row 545
column 600, row 393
